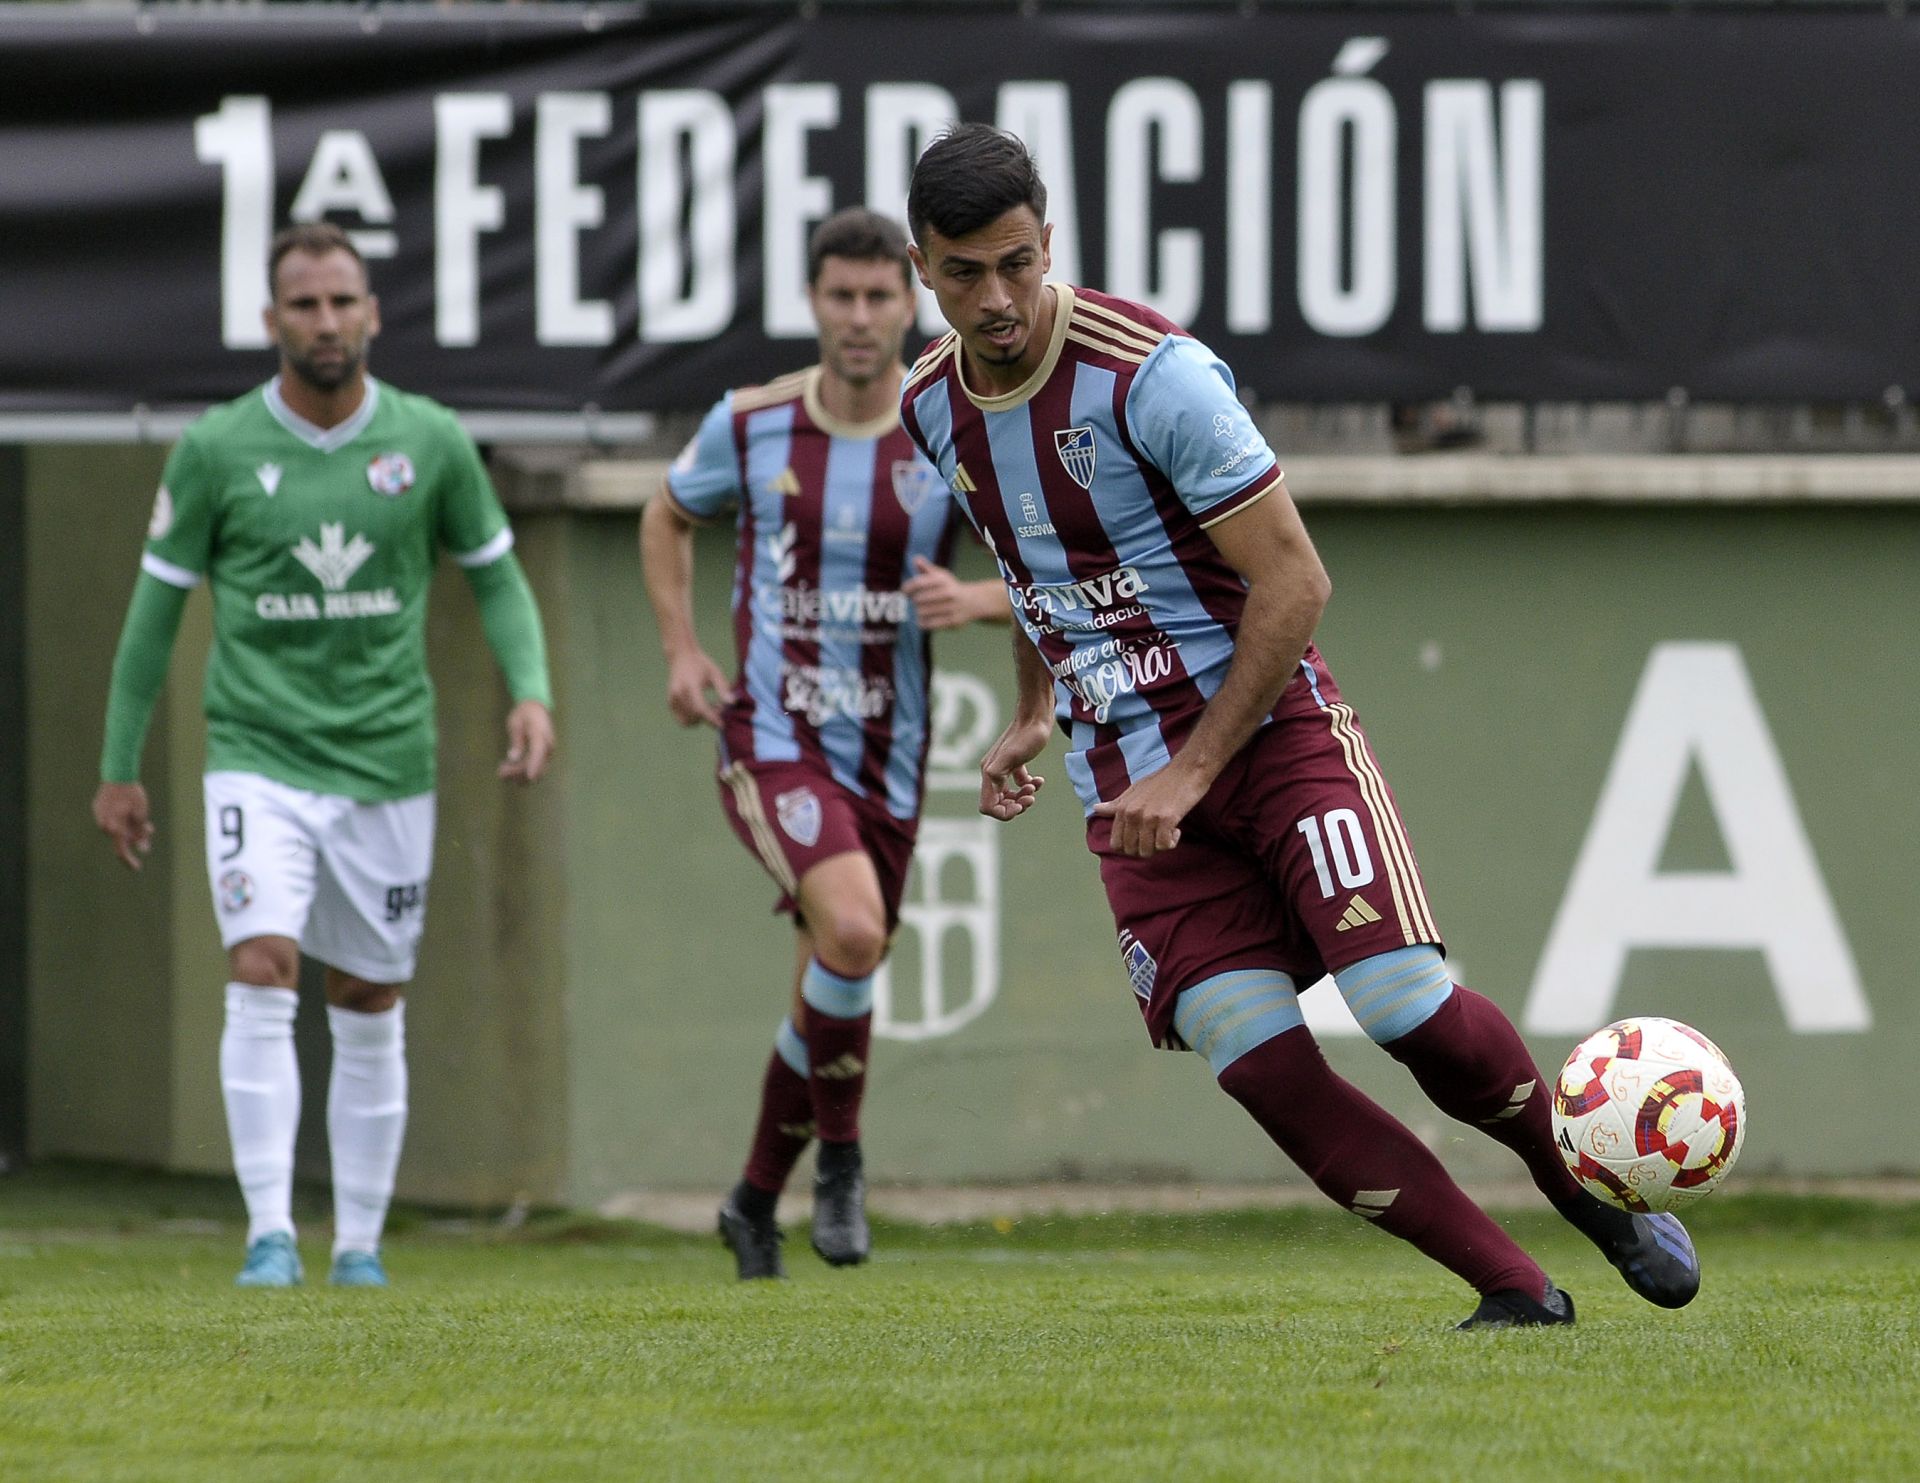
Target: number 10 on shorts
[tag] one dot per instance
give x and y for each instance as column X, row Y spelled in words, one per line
column 1338, row 848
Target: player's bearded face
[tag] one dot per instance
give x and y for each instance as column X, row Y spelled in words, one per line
column 322, row 317
column 863, row 309
column 990, row 285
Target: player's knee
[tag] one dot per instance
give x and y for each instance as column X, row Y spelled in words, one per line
column 356, row 994
column 1224, row 1017
column 851, row 943
column 1394, row 993
column 264, row 962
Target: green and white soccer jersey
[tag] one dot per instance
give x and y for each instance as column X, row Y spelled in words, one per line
column 320, row 546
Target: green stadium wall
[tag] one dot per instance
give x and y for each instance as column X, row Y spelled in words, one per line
column 602, row 975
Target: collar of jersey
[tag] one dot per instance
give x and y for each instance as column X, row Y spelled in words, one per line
column 833, row 426
column 1008, row 400
column 326, row 439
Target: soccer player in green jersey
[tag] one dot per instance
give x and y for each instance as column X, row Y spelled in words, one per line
column 315, row 507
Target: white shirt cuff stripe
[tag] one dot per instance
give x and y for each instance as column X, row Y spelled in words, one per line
column 166, row 571
column 486, row 555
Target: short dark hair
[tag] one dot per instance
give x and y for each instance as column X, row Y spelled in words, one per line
column 972, row 174
column 316, row 239
column 861, row 236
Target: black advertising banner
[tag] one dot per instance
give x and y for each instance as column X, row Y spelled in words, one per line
column 569, row 209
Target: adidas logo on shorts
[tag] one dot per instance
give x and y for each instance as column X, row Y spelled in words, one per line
column 1357, row 914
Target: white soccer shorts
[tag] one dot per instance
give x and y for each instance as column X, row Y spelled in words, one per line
column 345, row 880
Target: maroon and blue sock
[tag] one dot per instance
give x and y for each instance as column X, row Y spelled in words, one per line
column 1365, row 1160
column 839, row 1032
column 1473, row 1066
column 785, row 1126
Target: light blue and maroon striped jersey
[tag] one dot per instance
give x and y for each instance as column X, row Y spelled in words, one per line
column 833, row 663
column 1093, row 485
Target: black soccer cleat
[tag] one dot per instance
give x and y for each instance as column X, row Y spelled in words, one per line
column 1657, row 1260
column 840, row 1231
column 755, row 1244
column 1652, row 1252
column 1513, row 1308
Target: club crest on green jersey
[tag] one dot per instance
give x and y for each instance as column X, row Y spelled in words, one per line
column 391, row 474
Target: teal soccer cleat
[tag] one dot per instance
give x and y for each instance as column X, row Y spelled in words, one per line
column 357, row 1269
column 272, row 1261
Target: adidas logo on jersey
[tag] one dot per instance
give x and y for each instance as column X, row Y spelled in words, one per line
column 269, row 477
column 1357, row 914
column 841, row 1068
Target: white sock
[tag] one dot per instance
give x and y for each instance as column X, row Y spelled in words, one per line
column 260, row 1083
column 366, row 1120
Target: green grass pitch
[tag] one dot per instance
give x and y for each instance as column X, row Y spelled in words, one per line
column 1297, row 1345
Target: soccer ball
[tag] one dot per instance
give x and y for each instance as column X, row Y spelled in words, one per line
column 1648, row 1114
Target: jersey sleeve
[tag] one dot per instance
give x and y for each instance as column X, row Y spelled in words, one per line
column 473, row 526
column 705, row 479
column 180, row 533
column 1183, row 415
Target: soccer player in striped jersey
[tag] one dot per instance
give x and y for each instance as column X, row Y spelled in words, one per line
column 844, row 532
column 315, row 507
column 1167, row 595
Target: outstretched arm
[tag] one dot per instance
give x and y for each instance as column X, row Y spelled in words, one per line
column 942, row 600
column 696, row 686
column 139, row 670
column 511, row 620
column 1287, row 590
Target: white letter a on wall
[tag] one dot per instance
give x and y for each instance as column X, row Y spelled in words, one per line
column 1696, row 705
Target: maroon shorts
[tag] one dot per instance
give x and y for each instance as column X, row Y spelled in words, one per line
column 1296, row 860
column 793, row 815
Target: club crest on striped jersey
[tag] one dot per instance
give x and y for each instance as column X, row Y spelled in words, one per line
column 914, row 483
column 798, row 811
column 390, row 474
column 1075, row 445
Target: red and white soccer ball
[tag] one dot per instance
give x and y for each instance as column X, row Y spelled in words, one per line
column 1648, row 1114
